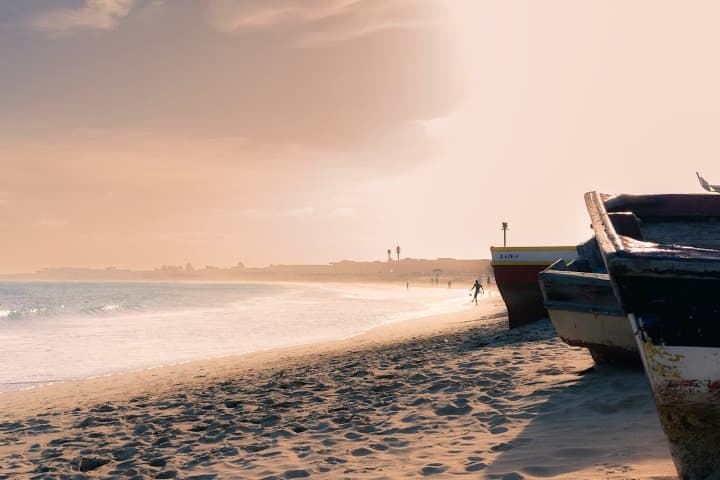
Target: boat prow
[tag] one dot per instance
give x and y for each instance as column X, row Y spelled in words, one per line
column 663, row 258
column 516, row 272
column 582, row 306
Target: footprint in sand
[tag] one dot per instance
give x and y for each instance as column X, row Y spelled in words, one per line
column 433, row 469
column 335, row 460
column 296, row 474
column 498, row 430
column 475, row 467
column 448, row 410
column 501, row 447
column 396, row 442
column 356, row 437
column 413, row 418
column 361, row 452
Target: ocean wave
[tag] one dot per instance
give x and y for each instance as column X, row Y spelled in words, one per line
column 80, row 331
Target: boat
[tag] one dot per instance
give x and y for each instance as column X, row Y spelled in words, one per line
column 516, row 272
column 662, row 253
column 583, row 309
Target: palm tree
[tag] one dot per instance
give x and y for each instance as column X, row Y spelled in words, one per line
column 389, row 254
column 397, row 249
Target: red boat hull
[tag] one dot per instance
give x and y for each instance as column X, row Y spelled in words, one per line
column 516, row 275
column 518, row 285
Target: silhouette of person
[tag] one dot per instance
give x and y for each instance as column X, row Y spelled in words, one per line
column 477, row 287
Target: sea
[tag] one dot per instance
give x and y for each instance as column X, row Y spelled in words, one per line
column 61, row 331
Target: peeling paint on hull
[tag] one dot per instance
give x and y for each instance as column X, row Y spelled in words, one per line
column 687, row 395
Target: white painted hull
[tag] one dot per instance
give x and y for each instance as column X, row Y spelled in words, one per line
column 686, row 385
column 680, row 373
column 608, row 337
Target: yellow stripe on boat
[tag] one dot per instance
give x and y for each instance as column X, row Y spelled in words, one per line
column 524, row 249
column 501, row 263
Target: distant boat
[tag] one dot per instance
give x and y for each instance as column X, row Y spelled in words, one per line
column 583, row 309
column 664, row 264
column 516, row 272
column 704, row 183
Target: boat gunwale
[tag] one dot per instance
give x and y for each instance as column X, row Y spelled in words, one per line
column 638, row 257
column 552, row 248
column 577, row 276
column 595, row 279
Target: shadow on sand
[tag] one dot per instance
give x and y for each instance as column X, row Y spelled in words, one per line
column 603, row 422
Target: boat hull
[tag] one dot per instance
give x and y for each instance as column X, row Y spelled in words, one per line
column 520, row 292
column 585, row 313
column 686, row 386
column 665, row 271
column 608, row 337
column 516, row 272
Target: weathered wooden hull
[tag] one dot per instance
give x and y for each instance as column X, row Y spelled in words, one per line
column 686, row 386
column 516, row 272
column 608, row 337
column 585, row 313
column 667, row 278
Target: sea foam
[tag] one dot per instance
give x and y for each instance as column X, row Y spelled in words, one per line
column 66, row 331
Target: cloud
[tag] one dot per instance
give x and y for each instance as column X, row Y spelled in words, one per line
column 230, row 15
column 93, row 15
column 313, row 39
column 320, row 21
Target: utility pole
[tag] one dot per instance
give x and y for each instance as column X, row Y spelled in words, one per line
column 504, row 228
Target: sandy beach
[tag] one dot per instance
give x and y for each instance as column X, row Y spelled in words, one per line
column 446, row 396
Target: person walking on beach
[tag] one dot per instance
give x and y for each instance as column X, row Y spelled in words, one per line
column 477, row 287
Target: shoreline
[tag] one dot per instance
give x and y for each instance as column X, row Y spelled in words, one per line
column 456, row 394
column 47, row 371
column 113, row 385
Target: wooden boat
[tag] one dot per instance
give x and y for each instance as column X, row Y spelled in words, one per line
column 516, row 272
column 583, row 309
column 663, row 256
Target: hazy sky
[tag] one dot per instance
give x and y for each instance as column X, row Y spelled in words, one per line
column 136, row 133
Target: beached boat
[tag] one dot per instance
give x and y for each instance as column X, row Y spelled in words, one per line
column 516, row 272
column 663, row 256
column 583, row 309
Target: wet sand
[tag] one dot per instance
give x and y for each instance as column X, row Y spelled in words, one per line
column 440, row 397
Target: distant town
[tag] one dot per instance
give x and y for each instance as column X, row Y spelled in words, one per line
column 441, row 271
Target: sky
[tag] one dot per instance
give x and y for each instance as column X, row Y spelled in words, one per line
column 135, row 133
